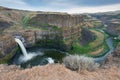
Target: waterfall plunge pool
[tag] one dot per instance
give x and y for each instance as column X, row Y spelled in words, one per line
column 42, row 57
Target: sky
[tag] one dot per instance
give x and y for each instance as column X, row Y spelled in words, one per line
column 69, row 6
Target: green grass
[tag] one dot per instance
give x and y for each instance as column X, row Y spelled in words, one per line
column 98, row 43
column 95, row 23
column 79, row 49
column 99, row 39
column 25, row 20
column 115, row 42
column 27, row 23
column 8, row 14
column 35, row 28
column 106, row 49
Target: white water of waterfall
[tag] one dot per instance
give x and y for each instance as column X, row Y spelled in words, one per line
column 26, row 56
column 21, row 46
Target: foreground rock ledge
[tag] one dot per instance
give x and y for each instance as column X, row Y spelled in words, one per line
column 56, row 72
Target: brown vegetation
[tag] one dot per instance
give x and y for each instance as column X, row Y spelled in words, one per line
column 57, row 72
column 80, row 63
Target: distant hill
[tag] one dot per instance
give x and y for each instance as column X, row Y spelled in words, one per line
column 107, row 15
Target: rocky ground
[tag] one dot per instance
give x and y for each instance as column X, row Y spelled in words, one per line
column 57, row 72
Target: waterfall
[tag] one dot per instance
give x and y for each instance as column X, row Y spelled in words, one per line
column 21, row 46
column 26, row 56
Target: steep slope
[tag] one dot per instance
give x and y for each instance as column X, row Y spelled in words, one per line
column 10, row 18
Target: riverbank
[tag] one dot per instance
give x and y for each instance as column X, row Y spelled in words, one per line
column 96, row 48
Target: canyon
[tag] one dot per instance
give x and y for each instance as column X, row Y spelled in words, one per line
column 61, row 31
column 45, row 27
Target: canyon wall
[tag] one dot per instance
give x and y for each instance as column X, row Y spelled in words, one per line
column 59, row 39
column 59, row 20
column 62, row 26
column 113, row 28
column 7, row 47
column 47, row 29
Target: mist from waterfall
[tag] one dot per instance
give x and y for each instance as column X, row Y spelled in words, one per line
column 26, row 56
column 50, row 60
column 35, row 56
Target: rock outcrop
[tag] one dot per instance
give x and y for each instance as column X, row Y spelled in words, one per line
column 113, row 28
column 7, row 47
column 86, row 36
column 59, row 20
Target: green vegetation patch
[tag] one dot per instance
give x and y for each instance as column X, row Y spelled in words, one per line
column 87, row 49
column 8, row 56
column 29, row 23
column 115, row 42
column 79, row 49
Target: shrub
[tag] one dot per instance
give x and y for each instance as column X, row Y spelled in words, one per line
column 80, row 63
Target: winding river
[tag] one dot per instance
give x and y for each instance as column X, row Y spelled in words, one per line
column 109, row 42
column 110, row 45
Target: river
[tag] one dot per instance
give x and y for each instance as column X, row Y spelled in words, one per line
column 110, row 45
column 109, row 42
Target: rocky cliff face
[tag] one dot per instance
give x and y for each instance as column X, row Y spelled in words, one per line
column 7, row 47
column 7, row 43
column 113, row 28
column 59, row 20
column 86, row 36
column 29, row 37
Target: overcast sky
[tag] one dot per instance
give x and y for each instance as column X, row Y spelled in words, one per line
column 70, row 6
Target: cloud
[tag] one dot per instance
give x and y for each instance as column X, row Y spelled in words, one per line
column 17, row 4
column 81, row 9
column 11, row 2
column 58, row 6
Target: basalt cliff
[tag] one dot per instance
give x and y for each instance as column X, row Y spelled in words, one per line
column 46, row 29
